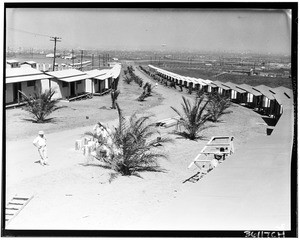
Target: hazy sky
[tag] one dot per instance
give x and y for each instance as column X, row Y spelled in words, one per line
column 259, row 31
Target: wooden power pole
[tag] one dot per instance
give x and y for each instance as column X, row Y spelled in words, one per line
column 81, row 55
column 54, row 39
column 92, row 61
column 72, row 57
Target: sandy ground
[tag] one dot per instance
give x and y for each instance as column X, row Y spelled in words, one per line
column 69, row 195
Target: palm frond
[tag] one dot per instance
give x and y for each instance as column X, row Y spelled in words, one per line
column 193, row 117
column 139, row 151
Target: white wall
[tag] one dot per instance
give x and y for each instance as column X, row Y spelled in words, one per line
column 25, row 66
column 233, row 94
column 44, row 85
column 80, row 86
column 89, row 85
column 32, row 89
column 249, row 97
column 266, row 102
column 106, row 83
column 57, row 86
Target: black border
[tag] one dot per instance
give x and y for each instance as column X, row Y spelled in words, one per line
column 164, row 5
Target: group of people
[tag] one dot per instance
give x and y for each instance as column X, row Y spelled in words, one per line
column 103, row 146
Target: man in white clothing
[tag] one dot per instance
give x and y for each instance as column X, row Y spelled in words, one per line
column 40, row 143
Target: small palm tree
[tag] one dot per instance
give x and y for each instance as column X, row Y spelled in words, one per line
column 193, row 117
column 114, row 96
column 149, row 89
column 136, row 146
column 200, row 93
column 143, row 96
column 127, row 79
column 41, row 105
column 217, row 106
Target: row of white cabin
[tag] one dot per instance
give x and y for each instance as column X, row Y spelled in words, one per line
column 47, row 66
column 66, row 83
column 268, row 100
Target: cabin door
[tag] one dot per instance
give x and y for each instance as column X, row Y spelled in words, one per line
column 72, row 88
column 99, row 86
column 16, row 88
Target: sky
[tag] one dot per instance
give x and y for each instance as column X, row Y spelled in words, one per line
column 150, row 29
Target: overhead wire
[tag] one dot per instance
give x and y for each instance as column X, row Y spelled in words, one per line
column 36, row 34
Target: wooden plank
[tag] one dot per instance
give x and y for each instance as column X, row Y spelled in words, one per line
column 10, row 212
column 15, row 204
column 19, row 198
column 18, row 202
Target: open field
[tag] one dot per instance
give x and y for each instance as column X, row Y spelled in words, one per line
column 218, row 72
column 234, row 78
column 68, row 195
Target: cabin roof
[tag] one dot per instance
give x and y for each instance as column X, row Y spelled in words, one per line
column 13, row 75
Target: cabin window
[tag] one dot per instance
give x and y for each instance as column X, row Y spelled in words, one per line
column 31, row 83
column 64, row 84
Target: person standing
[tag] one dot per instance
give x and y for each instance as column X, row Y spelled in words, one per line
column 41, row 143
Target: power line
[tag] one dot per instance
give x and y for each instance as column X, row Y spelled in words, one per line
column 36, row 34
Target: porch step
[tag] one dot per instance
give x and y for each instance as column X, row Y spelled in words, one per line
column 14, row 206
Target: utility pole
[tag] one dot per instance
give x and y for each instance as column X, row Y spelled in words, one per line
column 54, row 39
column 92, row 61
column 72, row 57
column 99, row 61
column 81, row 55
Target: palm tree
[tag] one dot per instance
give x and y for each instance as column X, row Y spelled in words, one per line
column 137, row 146
column 127, row 79
column 114, row 96
column 217, row 106
column 143, row 96
column 193, row 117
column 41, row 105
column 200, row 93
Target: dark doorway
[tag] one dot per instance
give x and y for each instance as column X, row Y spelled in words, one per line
column 16, row 88
column 72, row 86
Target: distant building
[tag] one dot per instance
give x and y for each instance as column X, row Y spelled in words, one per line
column 111, row 64
column 31, row 64
column 242, row 72
column 12, row 64
column 263, row 74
